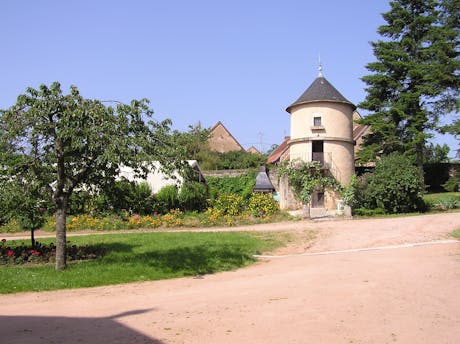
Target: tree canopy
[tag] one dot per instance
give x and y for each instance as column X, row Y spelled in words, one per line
column 415, row 79
column 454, row 129
column 195, row 144
column 61, row 142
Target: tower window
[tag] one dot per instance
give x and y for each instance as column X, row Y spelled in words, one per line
column 316, row 121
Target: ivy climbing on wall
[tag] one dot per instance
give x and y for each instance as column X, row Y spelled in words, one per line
column 306, row 176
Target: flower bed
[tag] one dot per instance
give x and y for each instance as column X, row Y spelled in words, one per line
column 40, row 253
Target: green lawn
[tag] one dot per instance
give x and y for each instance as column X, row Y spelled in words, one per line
column 433, row 197
column 143, row 257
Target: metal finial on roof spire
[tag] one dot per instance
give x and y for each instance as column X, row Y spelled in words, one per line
column 320, row 67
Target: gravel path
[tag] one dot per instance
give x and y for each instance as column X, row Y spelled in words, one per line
column 398, row 295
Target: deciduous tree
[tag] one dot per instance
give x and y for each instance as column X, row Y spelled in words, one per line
column 64, row 141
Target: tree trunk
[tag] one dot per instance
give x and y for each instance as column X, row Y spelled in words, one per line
column 419, row 154
column 32, row 237
column 61, row 240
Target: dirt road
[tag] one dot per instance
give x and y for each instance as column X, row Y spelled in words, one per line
column 393, row 295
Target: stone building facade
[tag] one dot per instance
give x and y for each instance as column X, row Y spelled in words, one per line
column 222, row 141
column 321, row 130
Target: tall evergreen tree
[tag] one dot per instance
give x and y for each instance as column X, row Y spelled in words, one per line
column 415, row 79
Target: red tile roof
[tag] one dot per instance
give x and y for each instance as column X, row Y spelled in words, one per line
column 279, row 151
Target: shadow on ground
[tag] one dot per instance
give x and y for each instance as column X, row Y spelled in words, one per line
column 43, row 329
column 200, row 259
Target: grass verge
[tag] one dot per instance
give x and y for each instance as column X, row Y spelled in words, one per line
column 434, row 197
column 144, row 257
column 456, row 234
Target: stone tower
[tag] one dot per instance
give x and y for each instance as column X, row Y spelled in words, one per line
column 322, row 130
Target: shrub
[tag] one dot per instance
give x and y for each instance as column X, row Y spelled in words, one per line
column 80, row 202
column 167, row 199
column 193, row 196
column 395, row 186
column 229, row 204
column 126, row 195
column 368, row 212
column 262, row 204
column 446, row 203
column 241, row 185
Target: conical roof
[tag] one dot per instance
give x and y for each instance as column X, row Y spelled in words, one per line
column 263, row 183
column 320, row 90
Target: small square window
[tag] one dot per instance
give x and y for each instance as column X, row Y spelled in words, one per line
column 317, row 121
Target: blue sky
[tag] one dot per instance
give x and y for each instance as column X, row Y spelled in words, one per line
column 239, row 62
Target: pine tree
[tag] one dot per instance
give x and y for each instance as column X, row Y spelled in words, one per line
column 415, row 79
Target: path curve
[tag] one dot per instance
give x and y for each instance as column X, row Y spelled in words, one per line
column 402, row 295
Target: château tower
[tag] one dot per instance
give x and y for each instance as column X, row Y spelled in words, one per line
column 322, row 130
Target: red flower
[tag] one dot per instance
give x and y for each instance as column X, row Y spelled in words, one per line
column 10, row 253
column 35, row 253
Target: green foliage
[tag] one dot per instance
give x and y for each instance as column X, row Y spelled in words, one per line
column 125, row 195
column 229, row 204
column 242, row 185
column 193, row 196
column 447, row 203
column 30, row 215
column 262, row 204
column 63, row 142
column 453, row 183
column 239, row 160
column 7, row 202
column 210, row 160
column 439, row 200
column 454, row 129
column 167, row 198
column 24, row 202
column 194, row 144
column 349, row 192
column 368, row 212
column 82, row 201
column 415, row 78
column 306, row 176
column 395, row 186
column 436, row 154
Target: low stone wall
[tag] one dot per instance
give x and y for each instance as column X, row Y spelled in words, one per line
column 224, row 173
column 286, row 196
